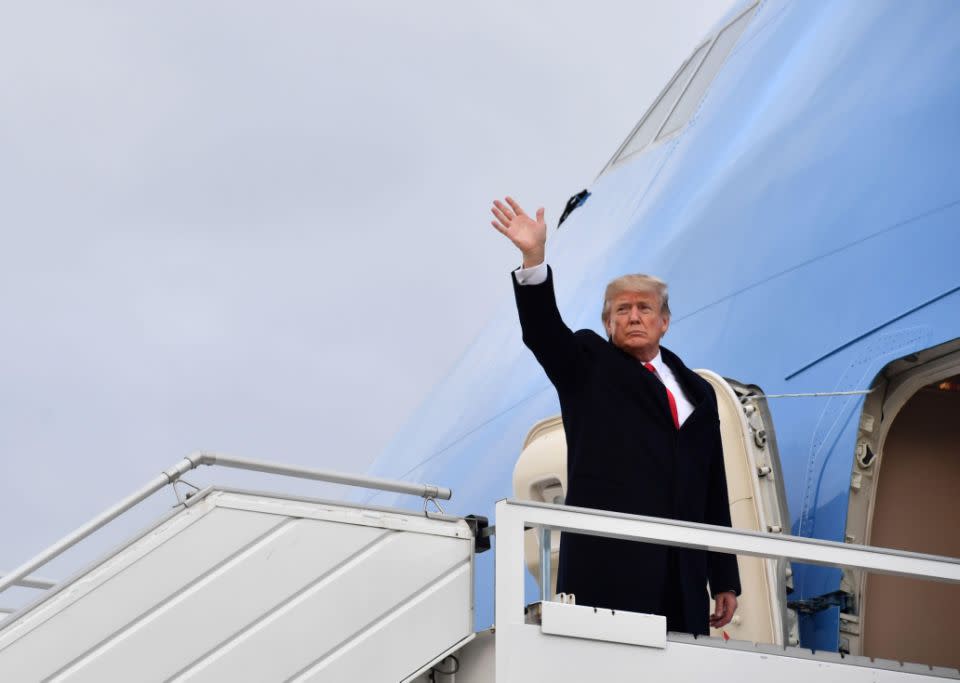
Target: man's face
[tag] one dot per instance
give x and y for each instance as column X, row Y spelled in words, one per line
column 636, row 324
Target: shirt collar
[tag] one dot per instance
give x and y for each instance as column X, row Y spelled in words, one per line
column 658, row 363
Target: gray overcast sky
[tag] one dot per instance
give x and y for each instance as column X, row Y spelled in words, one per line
column 262, row 228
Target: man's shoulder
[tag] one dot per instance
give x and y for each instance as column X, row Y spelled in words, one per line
column 588, row 337
column 674, row 363
column 592, row 344
column 679, row 368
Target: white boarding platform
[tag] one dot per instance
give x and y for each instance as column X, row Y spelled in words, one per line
column 245, row 586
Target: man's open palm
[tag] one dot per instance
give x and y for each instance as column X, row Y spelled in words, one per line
column 527, row 234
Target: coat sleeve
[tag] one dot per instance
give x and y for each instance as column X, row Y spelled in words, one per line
column 722, row 571
column 554, row 345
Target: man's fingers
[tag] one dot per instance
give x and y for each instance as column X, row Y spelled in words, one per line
column 514, row 206
column 724, row 607
column 540, row 215
column 499, row 227
column 720, row 618
column 507, row 211
column 501, row 216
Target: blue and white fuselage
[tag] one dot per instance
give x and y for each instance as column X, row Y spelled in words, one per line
column 806, row 213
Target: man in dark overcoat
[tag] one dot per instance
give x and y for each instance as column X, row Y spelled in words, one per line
column 643, row 437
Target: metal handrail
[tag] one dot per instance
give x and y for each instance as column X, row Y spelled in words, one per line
column 427, row 491
column 513, row 517
column 169, row 476
column 722, row 539
column 34, row 582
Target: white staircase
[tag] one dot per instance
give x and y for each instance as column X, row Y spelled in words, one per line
column 243, row 587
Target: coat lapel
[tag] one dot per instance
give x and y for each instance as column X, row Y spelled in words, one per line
column 687, row 379
column 645, row 385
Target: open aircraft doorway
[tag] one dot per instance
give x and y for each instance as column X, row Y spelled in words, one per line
column 903, row 495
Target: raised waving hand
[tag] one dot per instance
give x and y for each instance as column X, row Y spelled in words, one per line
column 527, row 234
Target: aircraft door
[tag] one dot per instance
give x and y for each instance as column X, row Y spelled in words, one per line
column 904, row 479
column 757, row 502
column 540, row 474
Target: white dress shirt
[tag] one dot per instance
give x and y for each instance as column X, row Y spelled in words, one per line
column 531, row 276
column 684, row 407
column 538, row 275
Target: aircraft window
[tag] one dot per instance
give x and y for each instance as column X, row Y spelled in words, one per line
column 694, row 92
column 676, row 104
column 652, row 122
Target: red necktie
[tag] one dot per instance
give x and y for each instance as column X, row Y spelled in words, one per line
column 670, row 399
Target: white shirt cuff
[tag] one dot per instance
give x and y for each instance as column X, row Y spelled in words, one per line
column 536, row 275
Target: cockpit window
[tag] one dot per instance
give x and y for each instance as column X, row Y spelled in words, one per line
column 691, row 97
column 676, row 104
column 653, row 121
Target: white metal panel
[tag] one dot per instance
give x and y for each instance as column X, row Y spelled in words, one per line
column 534, row 656
column 125, row 587
column 60, row 599
column 242, row 587
column 223, row 602
column 404, row 640
column 440, row 525
column 342, row 606
column 618, row 626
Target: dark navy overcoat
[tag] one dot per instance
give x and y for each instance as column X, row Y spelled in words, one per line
column 625, row 454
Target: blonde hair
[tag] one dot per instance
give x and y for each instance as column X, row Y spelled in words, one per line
column 639, row 282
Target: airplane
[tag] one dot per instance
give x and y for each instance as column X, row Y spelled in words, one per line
column 797, row 184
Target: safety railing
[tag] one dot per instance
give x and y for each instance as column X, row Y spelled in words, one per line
column 169, row 477
column 28, row 582
column 513, row 517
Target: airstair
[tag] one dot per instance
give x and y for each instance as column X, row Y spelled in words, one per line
column 237, row 585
